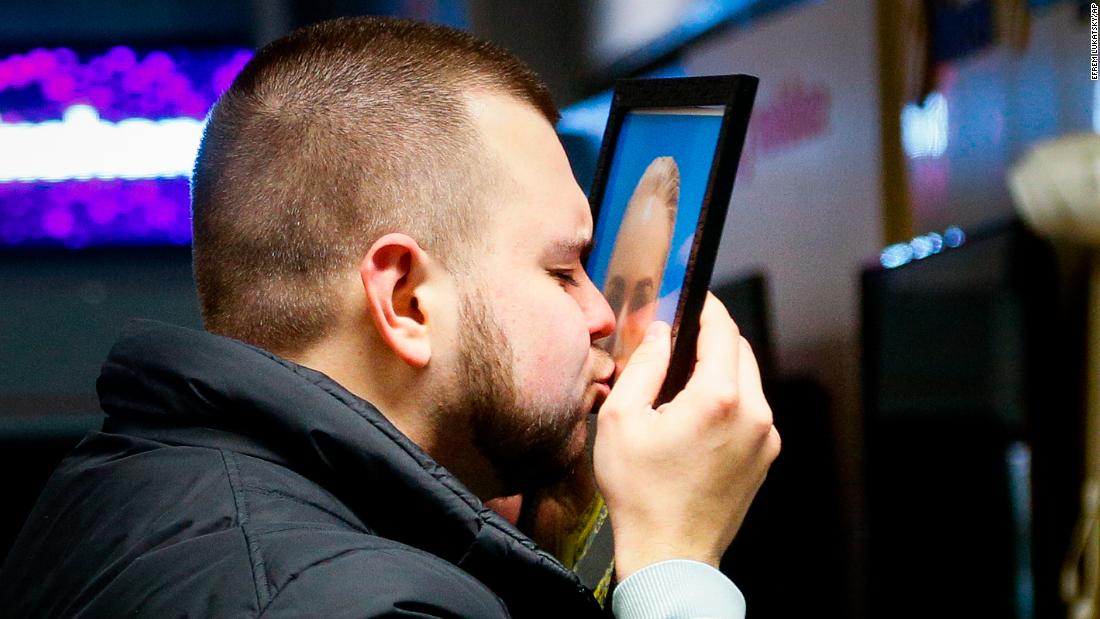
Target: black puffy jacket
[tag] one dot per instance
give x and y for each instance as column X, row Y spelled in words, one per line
column 228, row 482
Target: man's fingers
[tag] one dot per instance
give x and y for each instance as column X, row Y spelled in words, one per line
column 717, row 352
column 641, row 378
column 754, row 404
column 748, row 369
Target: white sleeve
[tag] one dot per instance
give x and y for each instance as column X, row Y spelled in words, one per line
column 678, row 589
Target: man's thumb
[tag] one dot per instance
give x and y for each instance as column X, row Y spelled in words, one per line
column 645, row 370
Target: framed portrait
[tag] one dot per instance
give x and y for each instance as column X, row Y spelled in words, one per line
column 659, row 198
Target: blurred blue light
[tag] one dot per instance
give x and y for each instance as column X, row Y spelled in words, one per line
column 936, row 240
column 954, row 236
column 587, row 117
column 704, row 14
column 922, row 247
column 896, row 255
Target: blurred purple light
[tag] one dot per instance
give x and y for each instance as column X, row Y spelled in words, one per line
column 119, row 83
column 224, row 76
column 120, row 59
column 58, row 222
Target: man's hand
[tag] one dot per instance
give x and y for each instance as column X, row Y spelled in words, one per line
column 678, row 480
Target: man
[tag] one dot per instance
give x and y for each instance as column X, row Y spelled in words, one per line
column 637, row 265
column 388, row 245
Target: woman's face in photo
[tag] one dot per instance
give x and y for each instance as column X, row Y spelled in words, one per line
column 634, row 274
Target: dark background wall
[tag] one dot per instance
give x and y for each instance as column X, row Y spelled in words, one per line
column 61, row 311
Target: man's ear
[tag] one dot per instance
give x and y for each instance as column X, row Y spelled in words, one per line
column 392, row 271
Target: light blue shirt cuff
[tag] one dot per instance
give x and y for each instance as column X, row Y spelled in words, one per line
column 678, row 589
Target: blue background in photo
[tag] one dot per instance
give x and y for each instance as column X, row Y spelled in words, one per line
column 690, row 139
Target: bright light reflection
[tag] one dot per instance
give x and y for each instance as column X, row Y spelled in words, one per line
column 896, row 255
column 936, row 240
column 954, row 236
column 921, row 247
column 924, row 127
column 82, row 146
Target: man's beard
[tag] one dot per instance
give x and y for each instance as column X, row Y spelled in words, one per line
column 528, row 447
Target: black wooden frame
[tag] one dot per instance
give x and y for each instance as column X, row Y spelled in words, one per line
column 735, row 94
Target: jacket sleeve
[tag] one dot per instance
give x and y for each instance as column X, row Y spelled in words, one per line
column 384, row 583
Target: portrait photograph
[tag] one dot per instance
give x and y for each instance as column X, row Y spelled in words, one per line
column 649, row 218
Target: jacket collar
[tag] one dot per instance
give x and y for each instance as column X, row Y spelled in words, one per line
column 161, row 376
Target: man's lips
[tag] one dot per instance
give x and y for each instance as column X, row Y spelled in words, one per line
column 606, row 375
column 603, row 387
column 601, row 393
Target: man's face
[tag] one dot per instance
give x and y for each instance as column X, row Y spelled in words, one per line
column 533, row 319
column 635, row 272
column 528, row 447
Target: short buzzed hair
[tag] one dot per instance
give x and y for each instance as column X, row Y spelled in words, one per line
column 328, row 139
column 661, row 180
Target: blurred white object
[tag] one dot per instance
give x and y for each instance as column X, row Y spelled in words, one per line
column 1056, row 187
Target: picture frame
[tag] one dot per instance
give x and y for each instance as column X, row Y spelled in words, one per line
column 688, row 132
column 662, row 187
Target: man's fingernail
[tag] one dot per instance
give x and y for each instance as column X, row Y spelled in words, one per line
column 655, row 330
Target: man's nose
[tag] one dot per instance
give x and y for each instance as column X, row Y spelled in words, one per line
column 601, row 319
